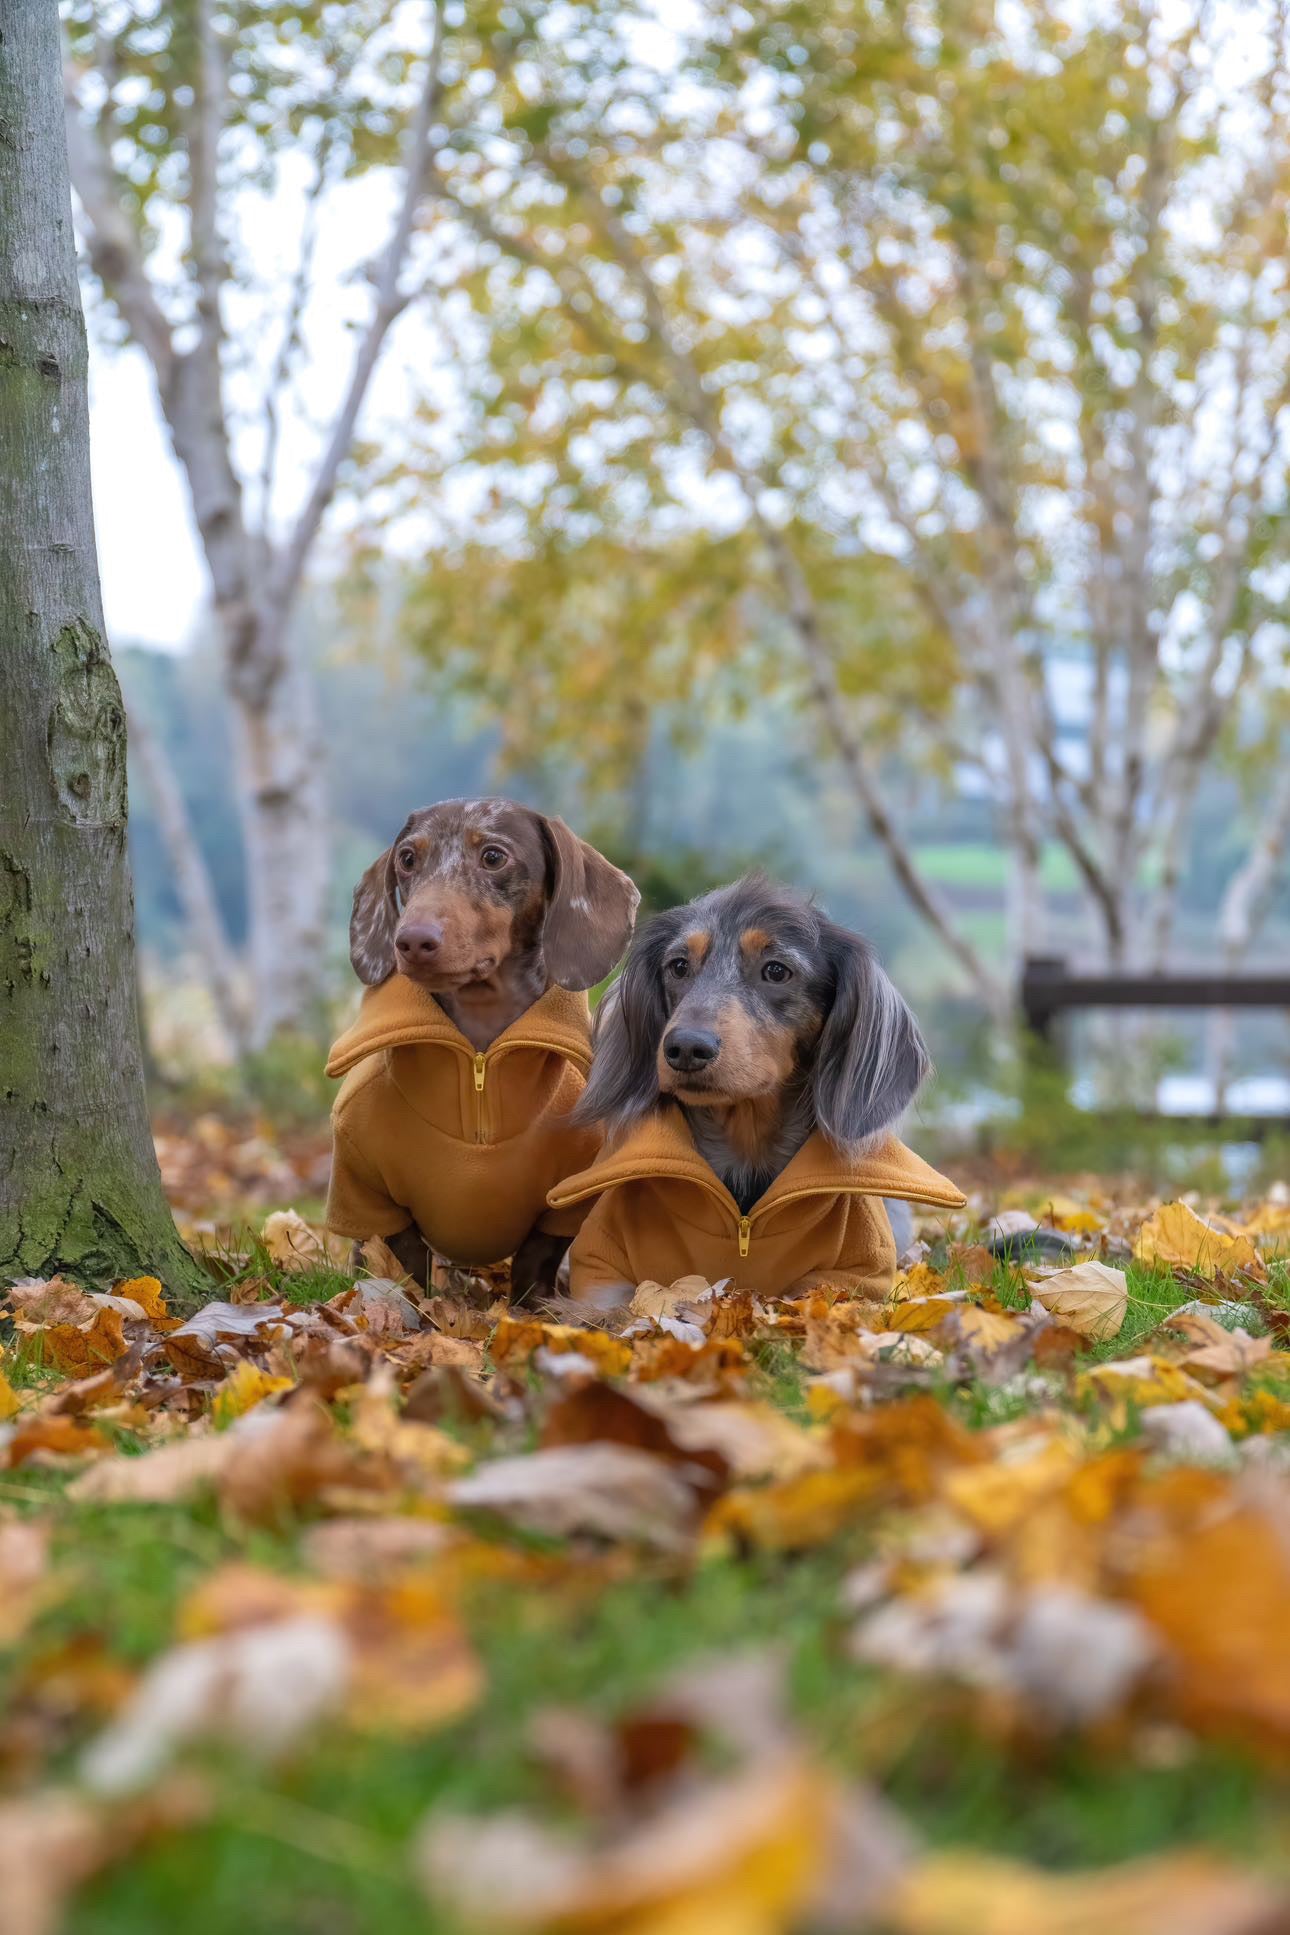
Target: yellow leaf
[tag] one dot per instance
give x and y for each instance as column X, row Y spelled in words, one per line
column 516, row 1339
column 148, row 1294
column 245, row 1386
column 964, row 1893
column 1090, row 1298
column 9, row 1402
column 997, row 1497
column 1141, row 1381
column 662, row 1300
column 793, row 1514
column 1177, row 1236
column 294, row 1244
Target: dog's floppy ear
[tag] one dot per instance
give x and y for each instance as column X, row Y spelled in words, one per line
column 623, row 1084
column 590, row 912
column 871, row 1059
column 373, row 921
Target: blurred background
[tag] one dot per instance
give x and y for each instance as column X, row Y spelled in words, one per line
column 843, row 437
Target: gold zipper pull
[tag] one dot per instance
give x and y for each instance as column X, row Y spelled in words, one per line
column 745, row 1235
column 479, row 1074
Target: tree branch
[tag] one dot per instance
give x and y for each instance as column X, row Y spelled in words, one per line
column 390, row 301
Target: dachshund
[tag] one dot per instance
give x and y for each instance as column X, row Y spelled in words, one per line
column 468, row 928
column 765, row 1021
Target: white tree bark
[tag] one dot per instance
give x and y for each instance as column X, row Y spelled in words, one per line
column 281, row 795
column 205, row 923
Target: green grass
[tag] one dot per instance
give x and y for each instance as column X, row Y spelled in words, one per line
column 321, row 1848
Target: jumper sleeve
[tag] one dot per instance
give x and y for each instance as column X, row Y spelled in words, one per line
column 598, row 1258
column 358, row 1203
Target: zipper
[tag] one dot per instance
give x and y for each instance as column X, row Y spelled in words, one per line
column 480, row 1068
column 745, row 1234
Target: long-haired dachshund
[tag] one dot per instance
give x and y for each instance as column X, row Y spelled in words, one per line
column 756, row 1050
column 477, row 932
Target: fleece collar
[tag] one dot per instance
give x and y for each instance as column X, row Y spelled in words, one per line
column 662, row 1148
column 399, row 1014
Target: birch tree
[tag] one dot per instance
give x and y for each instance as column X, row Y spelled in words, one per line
column 79, row 1185
column 177, row 117
column 956, row 338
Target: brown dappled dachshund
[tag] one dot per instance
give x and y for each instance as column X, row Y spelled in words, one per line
column 476, row 932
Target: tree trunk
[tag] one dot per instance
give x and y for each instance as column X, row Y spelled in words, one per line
column 79, row 1185
column 283, row 802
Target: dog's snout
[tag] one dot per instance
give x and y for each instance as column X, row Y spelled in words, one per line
column 689, row 1049
column 419, row 943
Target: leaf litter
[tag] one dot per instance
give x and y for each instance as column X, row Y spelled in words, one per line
column 1060, row 1492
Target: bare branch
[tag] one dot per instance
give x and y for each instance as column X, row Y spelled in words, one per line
column 115, row 255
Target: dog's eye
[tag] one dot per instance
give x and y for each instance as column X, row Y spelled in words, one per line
column 407, row 858
column 492, row 858
column 679, row 966
column 776, row 971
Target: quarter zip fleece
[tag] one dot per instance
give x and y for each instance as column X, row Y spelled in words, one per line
column 662, row 1212
column 466, row 1145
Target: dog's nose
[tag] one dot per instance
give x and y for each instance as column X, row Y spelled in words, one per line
column 689, row 1049
column 417, row 945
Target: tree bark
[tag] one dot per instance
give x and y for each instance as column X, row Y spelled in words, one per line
column 79, row 1184
column 192, row 882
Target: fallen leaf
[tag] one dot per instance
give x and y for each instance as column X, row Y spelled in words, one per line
column 611, row 1491
column 295, row 1245
column 965, row 1893
column 516, row 1339
column 738, row 1856
column 25, row 1583
column 165, row 1475
column 1090, row 1298
column 259, row 1689
column 245, row 1386
column 1175, row 1235
column 1219, row 1352
column 659, row 1300
column 792, row 1514
column 50, row 1842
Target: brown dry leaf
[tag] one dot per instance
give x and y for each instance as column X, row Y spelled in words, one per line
column 77, row 1349
column 45, row 1437
column 1219, row 1352
column 755, row 1440
column 963, row 1893
column 380, row 1261
column 25, row 1584
column 294, row 1244
column 51, row 1300
column 281, row 1460
column 741, row 1855
column 972, row 1263
column 1177, row 1236
column 165, row 1475
column 50, row 1842
column 611, row 1491
column 660, row 1300
column 205, row 1346
column 515, row 1340
column 1090, row 1298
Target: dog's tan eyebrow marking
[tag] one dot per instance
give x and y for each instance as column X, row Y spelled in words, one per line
column 698, row 946
column 754, row 941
